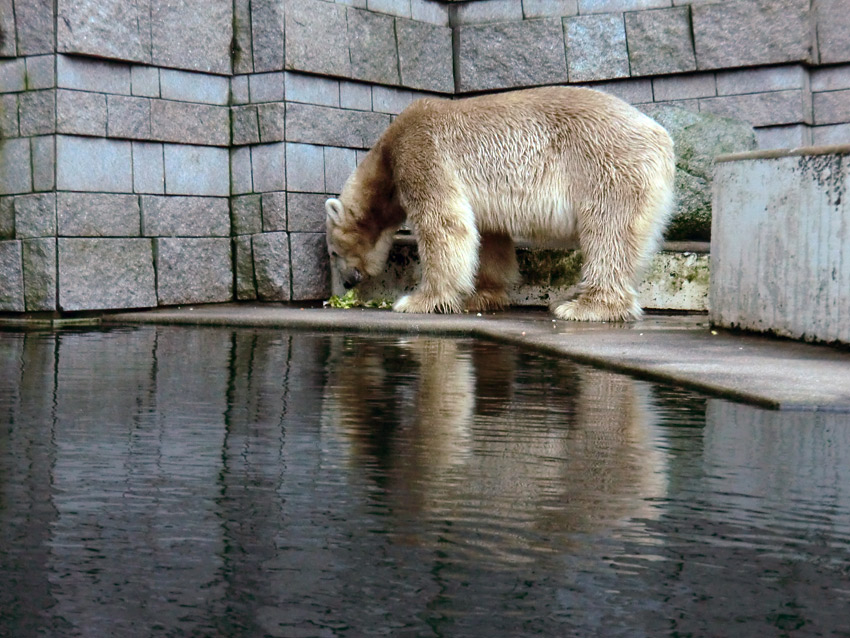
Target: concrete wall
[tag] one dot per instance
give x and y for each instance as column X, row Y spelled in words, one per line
column 780, row 243
column 157, row 153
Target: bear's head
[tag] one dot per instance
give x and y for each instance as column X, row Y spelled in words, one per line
column 358, row 242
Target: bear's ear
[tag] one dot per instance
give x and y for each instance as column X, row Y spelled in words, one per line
column 334, row 209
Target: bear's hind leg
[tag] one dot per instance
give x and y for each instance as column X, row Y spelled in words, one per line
column 497, row 271
column 448, row 253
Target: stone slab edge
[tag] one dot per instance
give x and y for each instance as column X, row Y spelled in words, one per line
column 839, row 149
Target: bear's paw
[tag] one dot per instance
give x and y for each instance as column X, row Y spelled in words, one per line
column 418, row 302
column 583, row 309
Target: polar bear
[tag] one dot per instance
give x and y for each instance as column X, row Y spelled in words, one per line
column 558, row 164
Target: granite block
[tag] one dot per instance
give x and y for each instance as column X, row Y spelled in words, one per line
column 632, row 91
column 372, row 47
column 8, row 116
column 13, row 75
column 129, row 117
column 192, row 34
column 246, row 289
column 35, row 215
column 271, row 266
column 40, row 273
column 144, row 81
column 98, row 215
column 485, row 11
column 596, row 47
column 660, row 41
column 43, row 163
column 7, row 217
column 172, row 216
column 832, row 78
column 34, row 23
column 511, row 54
column 244, row 125
column 185, row 86
column 148, row 168
column 684, row 87
column 267, row 32
column 8, row 42
column 833, row 31
column 196, row 170
column 117, row 29
column 430, row 12
column 243, row 46
column 339, row 165
column 12, row 276
column 305, row 165
column 41, row 72
column 37, row 112
column 306, row 212
column 355, row 95
column 791, row 136
column 85, row 74
column 272, row 117
column 311, row 89
column 193, row 271
column 268, row 166
column 386, row 99
column 832, row 107
column 92, row 164
column 399, row 8
column 751, row 32
column 310, row 266
column 241, row 180
column 779, row 78
column 105, row 274
column 239, row 92
column 188, row 123
column 548, row 8
column 425, row 56
column 317, row 38
column 831, row 134
column 761, row 109
column 246, row 216
column 274, row 211
column 266, row 87
column 333, row 127
column 608, row 6
column 15, row 166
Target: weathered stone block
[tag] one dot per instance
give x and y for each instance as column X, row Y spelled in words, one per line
column 660, row 41
column 268, row 166
column 37, row 112
column 129, row 117
column 148, row 168
column 9, row 116
column 43, row 163
column 272, row 118
column 11, row 277
column 387, row 99
column 372, row 47
column 119, row 29
column 684, row 87
column 8, row 44
column 271, row 266
column 266, row 87
column 144, row 81
column 333, row 127
column 274, row 211
column 185, row 216
column 762, row 109
column 548, row 8
column 832, row 107
column 425, row 56
column 831, row 135
column 80, row 113
column 15, row 166
column 355, row 95
column 246, row 289
column 105, row 273
column 392, row 7
column 792, row 136
column 833, row 28
column 430, row 12
column 98, row 215
column 311, row 89
column 306, row 212
column 197, row 170
column 91, row 164
column 310, row 266
column 483, row 12
column 751, row 32
column 85, row 74
column 35, row 215
column 243, row 46
column 39, row 265
column 192, row 34
column 244, row 125
column 193, row 271
column 7, row 217
column 194, row 87
column 608, row 6
column 305, row 165
column 188, row 123
column 34, row 22
column 13, row 75
column 241, row 180
column 832, row 78
column 339, row 164
column 317, row 38
column 246, row 216
column 780, row 78
column 239, row 92
column 596, row 47
column 511, row 54
column 267, row 31
column 41, row 72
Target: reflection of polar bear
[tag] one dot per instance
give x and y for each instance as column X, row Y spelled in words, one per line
column 470, row 175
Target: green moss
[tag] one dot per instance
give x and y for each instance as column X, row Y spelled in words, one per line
column 351, row 299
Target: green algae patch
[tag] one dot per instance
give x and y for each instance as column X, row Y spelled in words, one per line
column 553, row 268
column 352, row 300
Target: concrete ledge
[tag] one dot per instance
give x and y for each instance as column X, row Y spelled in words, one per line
column 680, row 349
column 838, row 149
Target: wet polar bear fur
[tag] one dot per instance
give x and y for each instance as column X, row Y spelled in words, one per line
column 555, row 164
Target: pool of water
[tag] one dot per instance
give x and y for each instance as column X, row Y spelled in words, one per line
column 172, row 481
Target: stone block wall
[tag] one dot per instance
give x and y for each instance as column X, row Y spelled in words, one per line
column 161, row 152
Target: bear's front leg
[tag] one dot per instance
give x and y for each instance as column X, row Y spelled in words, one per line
column 448, row 254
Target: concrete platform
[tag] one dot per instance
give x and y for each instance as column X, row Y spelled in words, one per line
column 681, row 349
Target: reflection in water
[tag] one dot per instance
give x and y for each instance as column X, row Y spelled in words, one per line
column 211, row 482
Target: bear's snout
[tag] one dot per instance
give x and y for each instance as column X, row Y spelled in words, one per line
column 351, row 278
